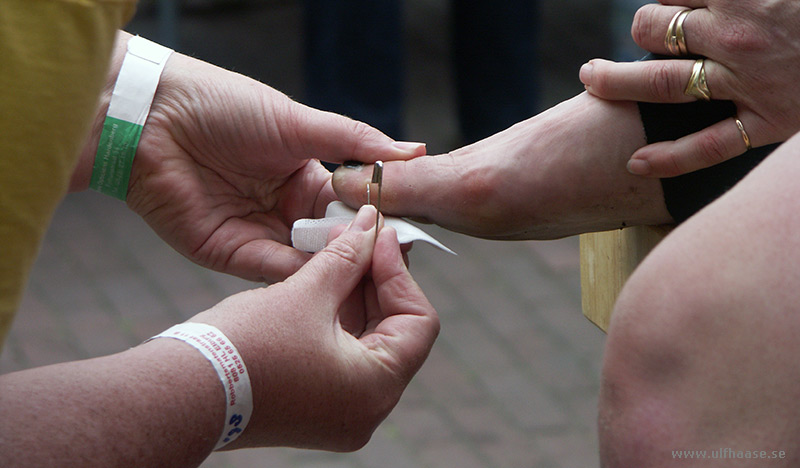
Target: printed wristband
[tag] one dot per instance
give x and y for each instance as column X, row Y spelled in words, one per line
column 222, row 354
column 127, row 112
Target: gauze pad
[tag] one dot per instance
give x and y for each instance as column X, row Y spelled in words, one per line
column 311, row 235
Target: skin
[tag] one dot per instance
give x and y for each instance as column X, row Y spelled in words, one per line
column 225, row 165
column 315, row 384
column 222, row 170
column 559, row 173
column 702, row 348
column 751, row 46
column 656, row 391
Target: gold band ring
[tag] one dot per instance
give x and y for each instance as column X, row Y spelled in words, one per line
column 680, row 36
column 745, row 137
column 697, row 85
column 675, row 40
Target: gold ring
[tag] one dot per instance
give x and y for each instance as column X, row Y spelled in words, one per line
column 680, row 36
column 697, row 85
column 675, row 40
column 744, row 133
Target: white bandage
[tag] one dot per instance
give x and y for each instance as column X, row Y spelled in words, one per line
column 311, row 235
column 222, row 354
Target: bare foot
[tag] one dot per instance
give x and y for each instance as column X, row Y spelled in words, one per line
column 559, row 173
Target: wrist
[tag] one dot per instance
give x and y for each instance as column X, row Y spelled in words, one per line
column 106, row 160
column 246, row 340
column 82, row 173
column 190, row 397
column 231, row 370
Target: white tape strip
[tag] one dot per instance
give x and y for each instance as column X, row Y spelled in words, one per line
column 311, row 235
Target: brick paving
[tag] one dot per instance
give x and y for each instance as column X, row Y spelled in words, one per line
column 511, row 382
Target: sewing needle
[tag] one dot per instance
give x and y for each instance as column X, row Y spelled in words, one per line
column 377, row 178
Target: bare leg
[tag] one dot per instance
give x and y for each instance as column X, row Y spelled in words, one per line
column 703, row 348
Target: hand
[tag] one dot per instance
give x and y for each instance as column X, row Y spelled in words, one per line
column 751, row 48
column 317, row 382
column 329, row 352
column 224, row 167
column 557, row 174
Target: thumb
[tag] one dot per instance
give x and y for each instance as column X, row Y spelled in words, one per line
column 405, row 323
column 336, row 270
column 336, row 138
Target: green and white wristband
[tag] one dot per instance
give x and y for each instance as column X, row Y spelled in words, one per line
column 127, row 112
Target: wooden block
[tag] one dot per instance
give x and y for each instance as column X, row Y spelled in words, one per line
column 607, row 261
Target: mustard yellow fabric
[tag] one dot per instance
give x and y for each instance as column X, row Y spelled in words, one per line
column 53, row 60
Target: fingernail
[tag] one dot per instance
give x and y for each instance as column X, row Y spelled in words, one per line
column 364, row 220
column 355, row 165
column 585, row 73
column 409, row 146
column 639, row 167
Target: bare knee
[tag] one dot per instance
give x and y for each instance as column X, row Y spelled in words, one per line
column 643, row 415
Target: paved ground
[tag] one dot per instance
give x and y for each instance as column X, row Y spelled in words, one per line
column 513, row 379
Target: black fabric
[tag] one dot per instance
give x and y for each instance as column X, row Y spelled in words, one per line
column 687, row 194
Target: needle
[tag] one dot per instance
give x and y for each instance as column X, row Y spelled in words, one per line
column 377, row 178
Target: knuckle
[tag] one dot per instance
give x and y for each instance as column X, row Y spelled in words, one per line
column 292, row 118
column 641, row 28
column 362, row 133
column 477, row 187
column 481, row 191
column 266, row 263
column 603, row 82
column 343, row 249
column 664, row 83
column 712, row 150
column 673, row 164
column 642, row 25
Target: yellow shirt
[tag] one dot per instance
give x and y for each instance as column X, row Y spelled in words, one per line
column 54, row 55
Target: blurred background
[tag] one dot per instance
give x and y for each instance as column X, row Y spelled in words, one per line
column 513, row 379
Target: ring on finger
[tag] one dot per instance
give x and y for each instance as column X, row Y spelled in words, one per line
column 675, row 40
column 742, row 131
column 698, row 86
